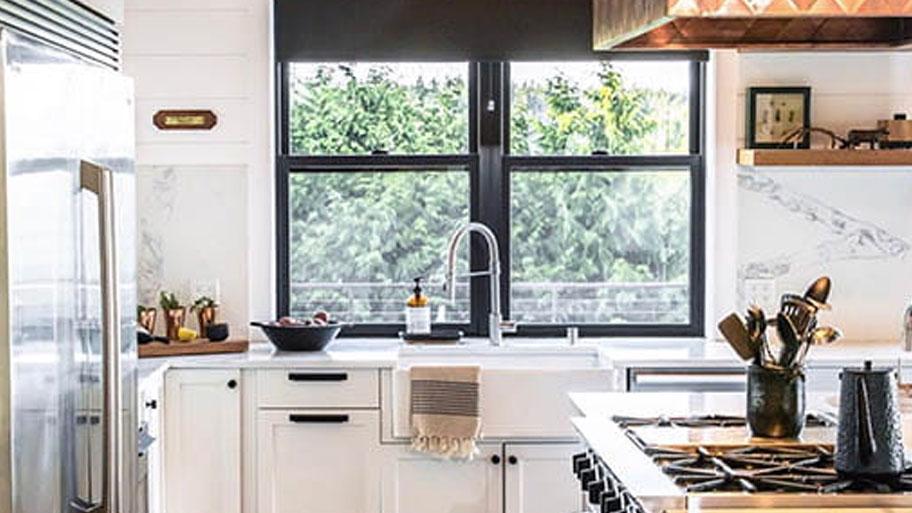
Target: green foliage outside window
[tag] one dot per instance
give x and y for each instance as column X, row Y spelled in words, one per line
column 578, row 227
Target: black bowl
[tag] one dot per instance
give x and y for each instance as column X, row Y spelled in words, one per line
column 300, row 337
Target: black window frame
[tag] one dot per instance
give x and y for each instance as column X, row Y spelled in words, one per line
column 490, row 165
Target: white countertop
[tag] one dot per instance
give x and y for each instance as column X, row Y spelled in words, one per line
column 343, row 353
column 710, row 353
column 385, row 353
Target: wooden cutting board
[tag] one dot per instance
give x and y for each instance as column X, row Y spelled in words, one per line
column 194, row 347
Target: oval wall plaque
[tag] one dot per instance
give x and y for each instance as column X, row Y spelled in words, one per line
column 184, row 119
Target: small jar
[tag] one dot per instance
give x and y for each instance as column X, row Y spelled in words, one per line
column 775, row 402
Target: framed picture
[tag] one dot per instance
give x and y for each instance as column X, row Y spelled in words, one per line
column 773, row 112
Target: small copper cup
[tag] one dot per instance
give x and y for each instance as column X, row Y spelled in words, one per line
column 206, row 317
column 147, row 318
column 174, row 321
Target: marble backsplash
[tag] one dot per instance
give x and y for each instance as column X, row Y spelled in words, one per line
column 854, row 225
column 191, row 224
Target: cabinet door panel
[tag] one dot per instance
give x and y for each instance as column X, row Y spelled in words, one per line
column 318, row 461
column 417, row 483
column 540, row 480
column 203, row 434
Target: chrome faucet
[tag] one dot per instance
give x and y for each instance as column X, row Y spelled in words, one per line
column 495, row 319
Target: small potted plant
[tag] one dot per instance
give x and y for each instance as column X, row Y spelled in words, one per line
column 206, row 313
column 146, row 317
column 175, row 313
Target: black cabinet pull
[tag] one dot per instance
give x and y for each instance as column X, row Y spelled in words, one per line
column 512, row 460
column 495, row 459
column 318, row 418
column 232, row 384
column 153, row 404
column 317, row 376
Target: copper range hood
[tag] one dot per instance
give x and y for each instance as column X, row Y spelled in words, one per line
column 751, row 24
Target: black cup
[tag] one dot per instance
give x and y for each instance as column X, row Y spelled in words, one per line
column 775, row 402
column 217, row 332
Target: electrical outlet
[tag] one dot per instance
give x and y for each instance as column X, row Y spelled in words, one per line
column 761, row 292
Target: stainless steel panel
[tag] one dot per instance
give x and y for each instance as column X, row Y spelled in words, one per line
column 709, row 379
column 65, row 24
column 59, row 111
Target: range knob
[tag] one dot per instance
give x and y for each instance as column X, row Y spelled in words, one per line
column 582, row 465
column 611, row 502
column 596, row 488
column 578, row 460
column 586, row 477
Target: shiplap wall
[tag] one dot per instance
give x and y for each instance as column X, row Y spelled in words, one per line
column 204, row 196
column 848, row 90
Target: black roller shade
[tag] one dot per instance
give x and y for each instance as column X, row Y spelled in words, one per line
column 433, row 30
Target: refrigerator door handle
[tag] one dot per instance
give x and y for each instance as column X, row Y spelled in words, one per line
column 100, row 181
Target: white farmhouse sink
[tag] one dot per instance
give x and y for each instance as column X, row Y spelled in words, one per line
column 524, row 385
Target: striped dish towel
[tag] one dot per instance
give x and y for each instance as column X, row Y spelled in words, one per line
column 444, row 408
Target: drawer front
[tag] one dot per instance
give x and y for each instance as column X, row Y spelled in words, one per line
column 318, row 388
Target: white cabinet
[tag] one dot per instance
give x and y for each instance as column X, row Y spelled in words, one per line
column 318, row 461
column 538, row 478
column 203, row 441
column 150, row 492
column 416, row 483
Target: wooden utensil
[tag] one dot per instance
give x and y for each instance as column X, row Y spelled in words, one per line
column 735, row 332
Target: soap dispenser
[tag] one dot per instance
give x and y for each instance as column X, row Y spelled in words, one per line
column 417, row 312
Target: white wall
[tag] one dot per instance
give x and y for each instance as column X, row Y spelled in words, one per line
column 205, row 215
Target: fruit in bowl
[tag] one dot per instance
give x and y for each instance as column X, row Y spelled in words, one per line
column 319, row 318
column 291, row 334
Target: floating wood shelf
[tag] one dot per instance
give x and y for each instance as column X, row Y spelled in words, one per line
column 195, row 347
column 812, row 157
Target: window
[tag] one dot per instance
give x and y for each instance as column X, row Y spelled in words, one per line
column 359, row 238
column 587, row 249
column 361, row 108
column 605, row 197
column 375, row 175
column 615, row 108
column 594, row 189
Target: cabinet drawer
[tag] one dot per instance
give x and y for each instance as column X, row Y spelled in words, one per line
column 323, row 388
column 318, row 461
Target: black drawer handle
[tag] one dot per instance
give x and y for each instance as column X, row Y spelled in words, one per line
column 317, row 376
column 318, row 418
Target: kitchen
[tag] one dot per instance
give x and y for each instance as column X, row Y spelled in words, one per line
column 274, row 181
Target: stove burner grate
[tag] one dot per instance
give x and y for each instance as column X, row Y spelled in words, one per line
column 700, row 421
column 770, row 469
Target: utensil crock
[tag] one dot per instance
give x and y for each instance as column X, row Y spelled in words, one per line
column 775, row 401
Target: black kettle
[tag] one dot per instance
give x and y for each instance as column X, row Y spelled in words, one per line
column 870, row 441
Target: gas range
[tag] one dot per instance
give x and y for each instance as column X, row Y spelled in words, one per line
column 649, row 465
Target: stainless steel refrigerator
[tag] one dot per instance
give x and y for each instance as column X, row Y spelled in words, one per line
column 67, row 283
